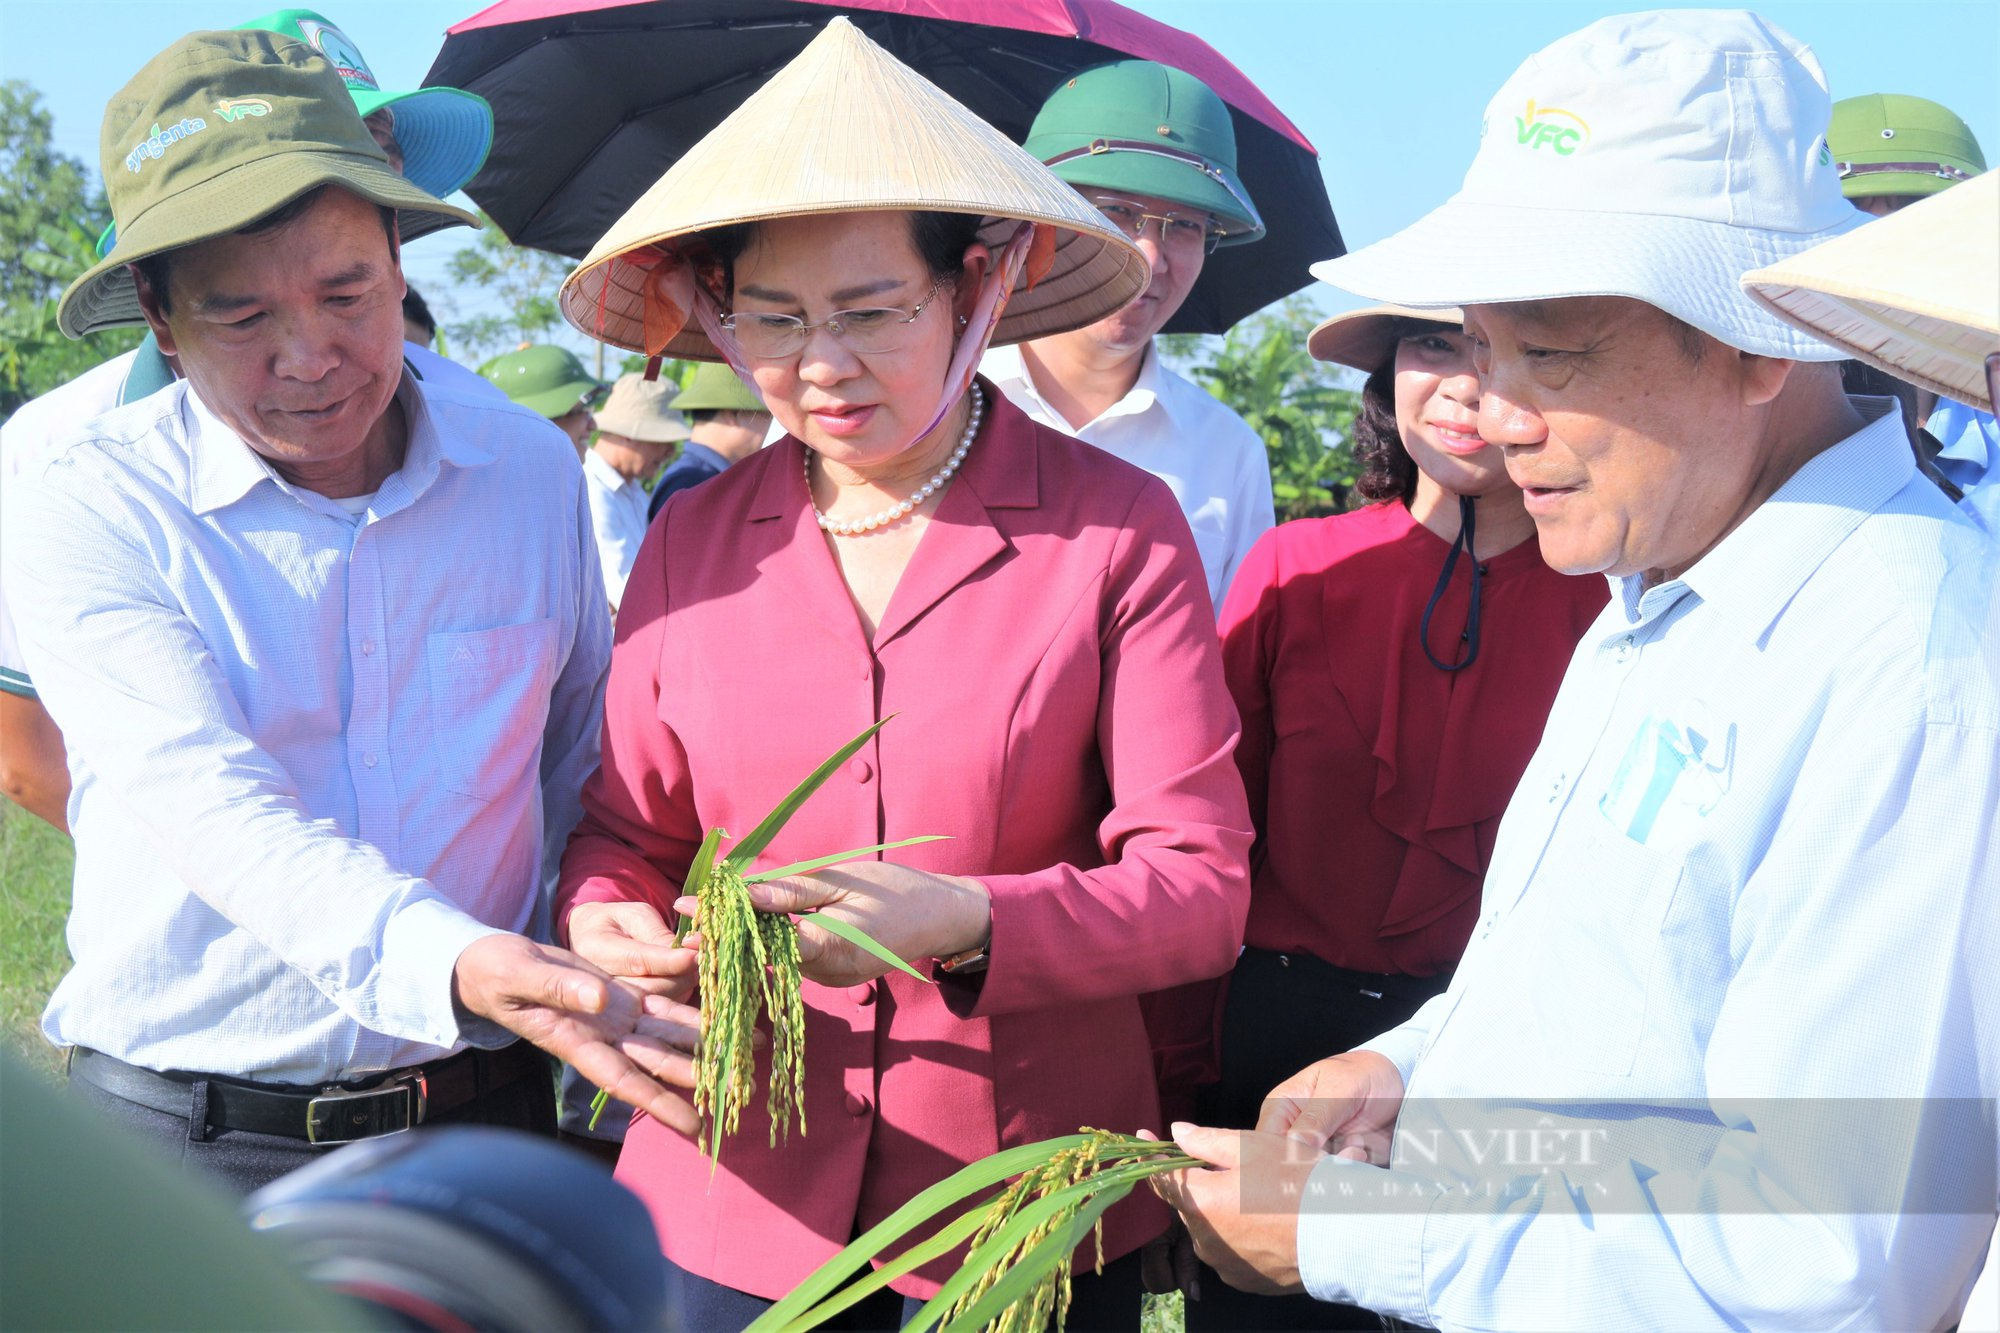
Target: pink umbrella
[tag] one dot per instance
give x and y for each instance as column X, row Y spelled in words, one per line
column 594, row 99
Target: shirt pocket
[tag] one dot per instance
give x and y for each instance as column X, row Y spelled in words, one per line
column 1607, row 940
column 490, row 705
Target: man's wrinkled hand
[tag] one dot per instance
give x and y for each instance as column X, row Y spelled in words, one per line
column 1346, row 1104
column 633, row 1045
column 632, row 942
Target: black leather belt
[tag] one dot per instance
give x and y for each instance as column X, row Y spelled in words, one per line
column 335, row 1113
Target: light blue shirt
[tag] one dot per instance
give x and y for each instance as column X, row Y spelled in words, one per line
column 1752, row 870
column 314, row 755
column 1970, row 459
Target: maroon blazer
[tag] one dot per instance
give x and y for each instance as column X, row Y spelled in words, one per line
column 1050, row 657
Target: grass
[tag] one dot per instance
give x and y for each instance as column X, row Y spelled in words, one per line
column 35, row 863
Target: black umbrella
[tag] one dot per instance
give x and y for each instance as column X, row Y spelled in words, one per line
column 594, row 99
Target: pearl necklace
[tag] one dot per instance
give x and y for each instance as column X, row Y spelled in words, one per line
column 863, row 526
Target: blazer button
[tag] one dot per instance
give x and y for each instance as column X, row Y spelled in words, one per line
column 857, row 1104
column 861, row 771
column 862, row 994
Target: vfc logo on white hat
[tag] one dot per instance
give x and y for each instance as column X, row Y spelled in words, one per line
column 1552, row 128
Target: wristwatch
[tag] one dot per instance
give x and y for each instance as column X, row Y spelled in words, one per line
column 965, row 964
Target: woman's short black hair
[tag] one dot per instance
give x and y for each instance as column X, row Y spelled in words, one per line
column 940, row 240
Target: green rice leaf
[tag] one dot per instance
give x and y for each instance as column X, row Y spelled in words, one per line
column 952, row 1235
column 704, row 861
column 746, row 851
column 984, row 1174
column 855, row 935
column 822, row 862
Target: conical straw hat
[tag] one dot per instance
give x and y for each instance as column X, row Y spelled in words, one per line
column 1365, row 339
column 1916, row 294
column 846, row 127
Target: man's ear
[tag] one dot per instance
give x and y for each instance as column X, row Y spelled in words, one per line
column 1764, row 377
column 149, row 306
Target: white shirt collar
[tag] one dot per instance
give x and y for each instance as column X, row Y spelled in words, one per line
column 226, row 468
column 1007, row 367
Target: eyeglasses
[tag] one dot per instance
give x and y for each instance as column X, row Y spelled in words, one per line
column 869, row 329
column 1178, row 231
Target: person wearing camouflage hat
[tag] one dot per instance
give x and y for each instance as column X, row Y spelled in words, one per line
column 727, row 424
column 327, row 645
column 437, row 138
column 549, row 381
column 1153, row 148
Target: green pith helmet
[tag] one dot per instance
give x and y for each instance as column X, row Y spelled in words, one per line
column 545, row 379
column 1886, row 143
column 1147, row 129
column 715, row 388
column 1143, row 128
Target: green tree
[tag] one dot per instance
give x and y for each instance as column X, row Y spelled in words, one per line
column 519, row 283
column 51, row 213
column 1262, row 371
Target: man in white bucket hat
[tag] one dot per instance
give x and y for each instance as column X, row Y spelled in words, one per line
column 1748, row 876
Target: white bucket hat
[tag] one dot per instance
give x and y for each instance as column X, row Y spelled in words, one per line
column 1658, row 156
column 1916, row 294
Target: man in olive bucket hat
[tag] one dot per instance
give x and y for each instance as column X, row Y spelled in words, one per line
column 437, row 138
column 1154, row 149
column 328, row 644
column 1722, row 1050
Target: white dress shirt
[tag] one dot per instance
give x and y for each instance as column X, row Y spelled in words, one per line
column 618, row 507
column 63, row 411
column 314, row 755
column 1209, row 456
column 1752, row 873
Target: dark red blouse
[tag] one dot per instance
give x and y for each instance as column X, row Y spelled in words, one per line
column 1377, row 781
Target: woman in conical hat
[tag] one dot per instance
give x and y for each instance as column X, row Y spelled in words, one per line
column 1030, row 611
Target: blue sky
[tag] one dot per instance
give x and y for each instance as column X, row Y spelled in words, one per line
column 1390, row 91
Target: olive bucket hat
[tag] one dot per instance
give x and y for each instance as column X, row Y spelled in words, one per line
column 1887, row 143
column 214, row 133
column 444, row 133
column 1147, row 128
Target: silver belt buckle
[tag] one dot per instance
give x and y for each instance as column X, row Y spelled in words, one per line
column 343, row 1116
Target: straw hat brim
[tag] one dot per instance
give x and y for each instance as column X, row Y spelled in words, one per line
column 1916, row 294
column 104, row 296
column 1365, row 339
column 846, row 128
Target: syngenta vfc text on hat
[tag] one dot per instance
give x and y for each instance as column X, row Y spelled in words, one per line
column 1658, row 156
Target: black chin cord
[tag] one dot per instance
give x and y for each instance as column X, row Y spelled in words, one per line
column 1470, row 639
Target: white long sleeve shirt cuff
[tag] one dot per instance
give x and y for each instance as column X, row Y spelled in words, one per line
column 421, row 943
column 1354, row 1248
